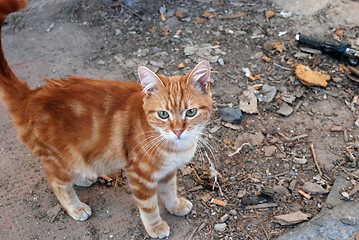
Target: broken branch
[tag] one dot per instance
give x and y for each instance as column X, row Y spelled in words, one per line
column 315, row 159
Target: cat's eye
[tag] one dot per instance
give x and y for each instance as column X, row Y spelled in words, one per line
column 163, row 114
column 191, row 112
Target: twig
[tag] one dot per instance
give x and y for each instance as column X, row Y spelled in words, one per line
column 239, row 149
column 315, row 159
column 103, row 176
column 213, row 172
column 284, row 136
column 193, row 232
column 116, row 182
column 246, row 232
column 285, row 68
column 298, row 137
column 262, row 225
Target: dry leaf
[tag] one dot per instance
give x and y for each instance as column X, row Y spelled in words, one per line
column 181, row 65
column 266, row 59
column 165, row 31
column 269, row 14
column 200, row 20
column 206, row 14
column 311, row 78
column 179, row 15
column 339, row 33
column 278, row 46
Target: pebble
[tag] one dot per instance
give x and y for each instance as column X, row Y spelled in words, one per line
column 348, row 220
column 231, row 115
column 224, row 218
column 220, row 227
column 233, row 212
column 118, row 32
column 220, row 61
column 285, row 110
column 357, row 123
column 345, row 195
column 269, row 150
column 281, row 190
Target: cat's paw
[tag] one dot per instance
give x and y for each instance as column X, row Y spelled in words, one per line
column 182, row 208
column 80, row 213
column 158, row 230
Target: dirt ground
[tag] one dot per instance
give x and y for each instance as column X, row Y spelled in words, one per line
column 100, row 39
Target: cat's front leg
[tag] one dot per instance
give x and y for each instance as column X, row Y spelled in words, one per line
column 145, row 193
column 167, row 189
column 69, row 200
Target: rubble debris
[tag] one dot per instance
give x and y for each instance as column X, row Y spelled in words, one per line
column 220, row 227
column 311, row 78
column 267, row 93
column 261, row 206
column 291, row 218
column 269, row 150
column 224, row 218
column 304, row 194
column 231, row 115
column 248, row 101
column 314, row 188
column 285, row 109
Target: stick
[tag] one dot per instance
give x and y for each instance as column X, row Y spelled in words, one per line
column 306, row 195
column 193, row 232
column 246, row 233
column 239, row 149
column 315, row 159
column 298, row 137
column 262, row 225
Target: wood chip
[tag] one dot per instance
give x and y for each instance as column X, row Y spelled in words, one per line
column 218, row 202
column 181, row 65
column 306, row 195
column 179, row 15
column 103, row 176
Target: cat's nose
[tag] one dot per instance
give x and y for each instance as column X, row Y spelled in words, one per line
column 178, row 132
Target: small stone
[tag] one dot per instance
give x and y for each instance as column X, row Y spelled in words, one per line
column 101, row 62
column 220, row 61
column 248, row 101
column 241, row 193
column 220, row 227
column 345, row 195
column 233, row 212
column 224, row 218
column 267, row 93
column 118, row 32
column 269, row 150
column 348, row 220
column 357, row 123
column 231, row 115
column 314, row 188
column 285, row 110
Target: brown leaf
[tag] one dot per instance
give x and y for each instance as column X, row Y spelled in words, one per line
column 278, row 46
column 206, row 14
column 269, row 14
column 165, row 31
column 179, row 15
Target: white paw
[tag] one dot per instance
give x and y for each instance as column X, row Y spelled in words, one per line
column 84, row 182
column 80, row 213
column 159, row 230
column 182, row 208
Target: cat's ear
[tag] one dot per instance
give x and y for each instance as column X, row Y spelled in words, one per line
column 200, row 76
column 149, row 80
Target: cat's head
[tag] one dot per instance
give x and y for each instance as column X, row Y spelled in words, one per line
column 178, row 107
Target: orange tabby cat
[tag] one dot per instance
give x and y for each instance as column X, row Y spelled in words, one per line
column 81, row 128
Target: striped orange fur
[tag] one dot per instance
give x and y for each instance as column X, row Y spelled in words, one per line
column 81, row 128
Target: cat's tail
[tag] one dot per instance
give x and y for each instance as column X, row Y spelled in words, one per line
column 11, row 88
